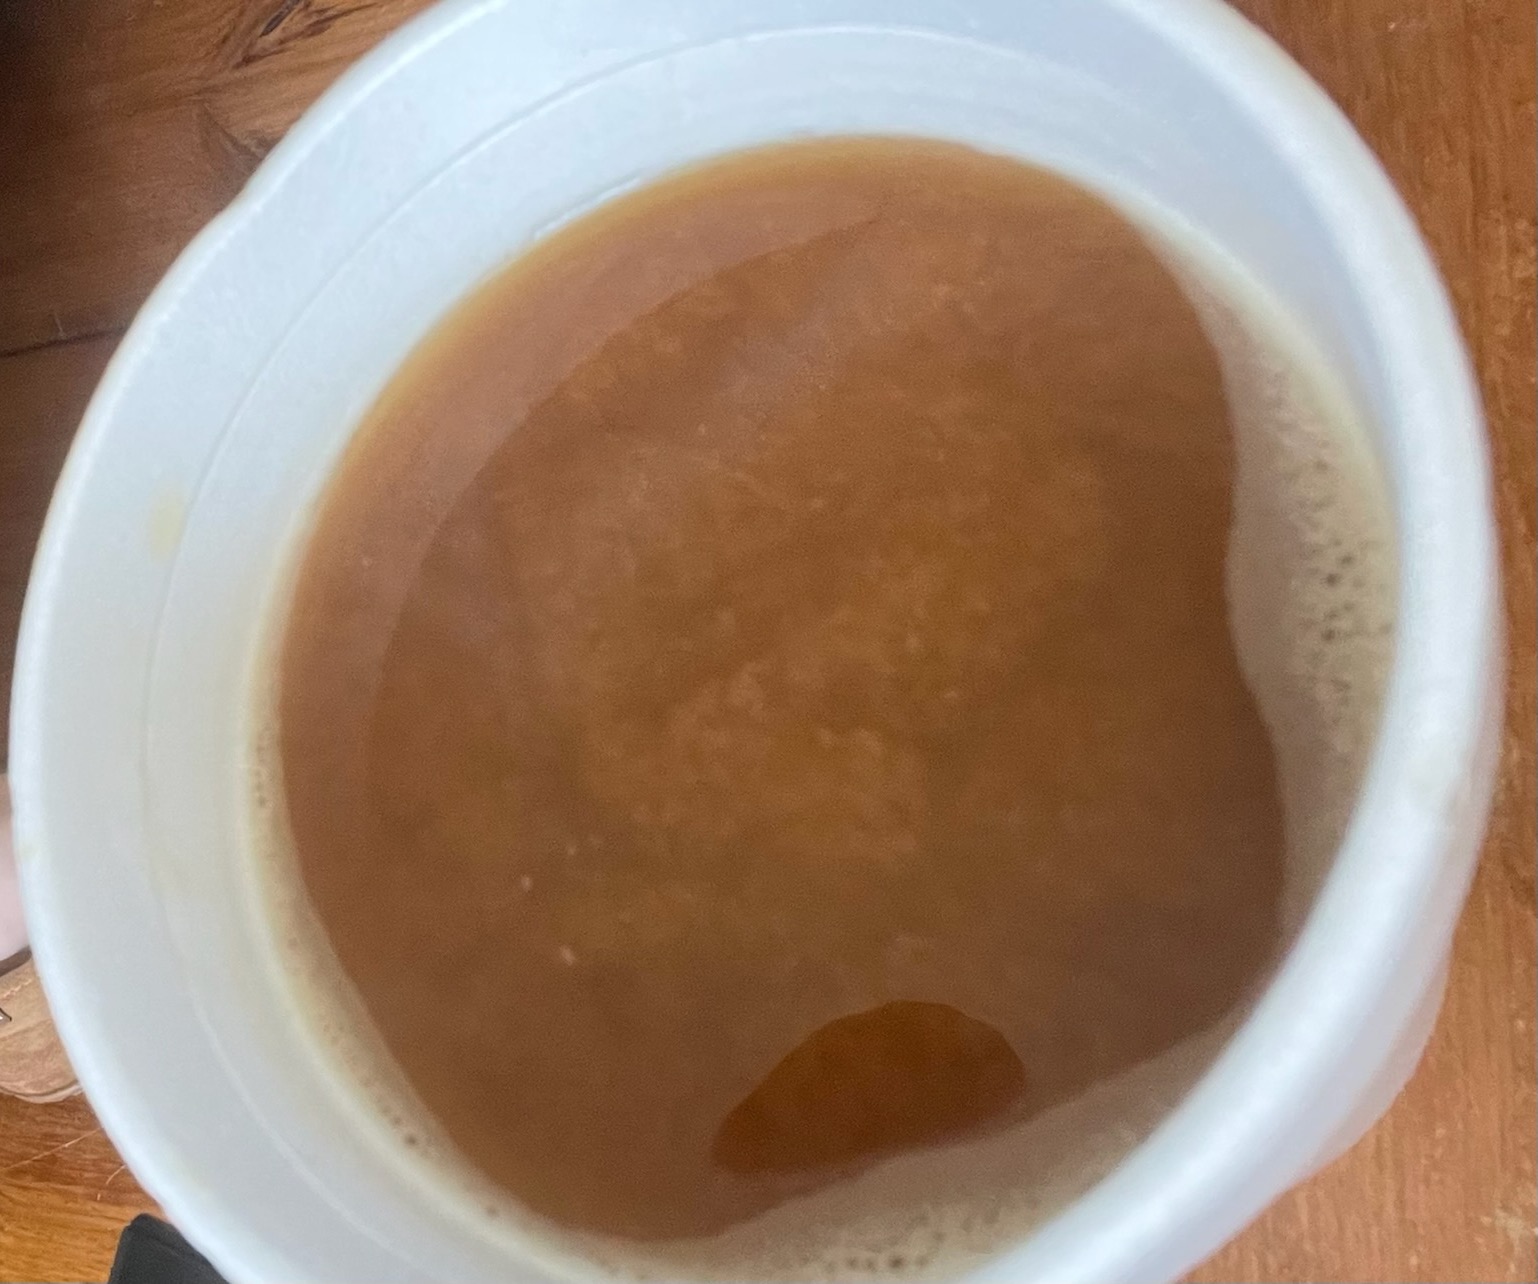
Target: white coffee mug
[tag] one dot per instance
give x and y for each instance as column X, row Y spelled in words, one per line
column 457, row 142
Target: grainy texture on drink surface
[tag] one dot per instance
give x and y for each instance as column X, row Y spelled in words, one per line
column 760, row 695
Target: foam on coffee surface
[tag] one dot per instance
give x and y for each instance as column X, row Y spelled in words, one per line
column 885, row 1223
column 1311, row 584
column 1311, row 577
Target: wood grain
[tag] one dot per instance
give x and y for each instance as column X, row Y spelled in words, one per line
column 42, row 394
column 64, row 1193
column 124, row 124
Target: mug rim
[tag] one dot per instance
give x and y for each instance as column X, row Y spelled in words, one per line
column 1379, row 898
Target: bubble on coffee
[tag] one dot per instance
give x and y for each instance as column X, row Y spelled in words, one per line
column 1310, row 579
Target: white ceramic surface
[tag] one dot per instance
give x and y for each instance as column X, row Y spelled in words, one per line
column 428, row 165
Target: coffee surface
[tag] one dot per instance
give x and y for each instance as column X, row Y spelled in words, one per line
column 759, row 695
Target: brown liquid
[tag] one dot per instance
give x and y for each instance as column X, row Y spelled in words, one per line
column 759, row 696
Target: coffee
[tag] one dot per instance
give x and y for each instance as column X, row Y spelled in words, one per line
column 822, row 665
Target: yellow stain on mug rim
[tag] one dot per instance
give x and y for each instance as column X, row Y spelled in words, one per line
column 166, row 521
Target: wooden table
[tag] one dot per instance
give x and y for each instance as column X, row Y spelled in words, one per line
column 124, row 124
